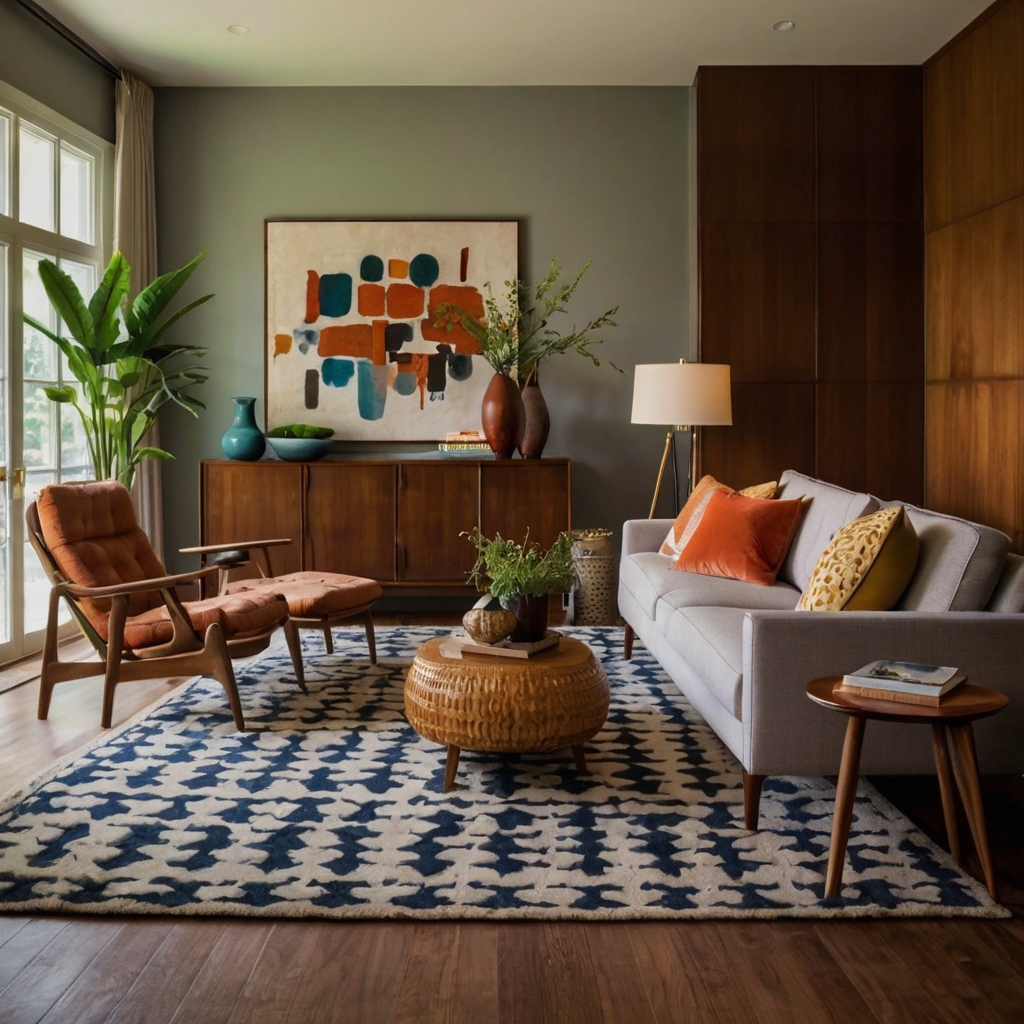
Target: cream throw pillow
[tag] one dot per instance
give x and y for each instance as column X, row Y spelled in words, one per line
column 866, row 566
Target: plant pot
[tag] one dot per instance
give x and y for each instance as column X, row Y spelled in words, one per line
column 538, row 419
column 502, row 417
column 531, row 612
column 243, row 440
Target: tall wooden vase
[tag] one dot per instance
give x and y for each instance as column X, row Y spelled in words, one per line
column 502, row 416
column 538, row 419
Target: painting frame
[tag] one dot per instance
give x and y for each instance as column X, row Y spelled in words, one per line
column 349, row 335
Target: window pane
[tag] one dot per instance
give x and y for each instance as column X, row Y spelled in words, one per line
column 77, row 192
column 5, row 164
column 75, row 463
column 40, row 436
column 40, row 360
column 35, row 177
column 5, row 541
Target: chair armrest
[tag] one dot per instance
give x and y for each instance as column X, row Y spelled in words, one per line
column 212, row 549
column 783, row 732
column 643, row 534
column 138, row 587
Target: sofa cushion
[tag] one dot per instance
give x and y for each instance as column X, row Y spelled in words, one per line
column 742, row 538
column 710, row 640
column 959, row 564
column 648, row 577
column 1009, row 593
column 831, row 508
column 866, row 566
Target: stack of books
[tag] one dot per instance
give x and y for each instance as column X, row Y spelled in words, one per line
column 464, row 442
column 460, row 642
column 904, row 681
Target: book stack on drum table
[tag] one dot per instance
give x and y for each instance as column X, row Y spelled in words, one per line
column 907, row 682
column 467, row 443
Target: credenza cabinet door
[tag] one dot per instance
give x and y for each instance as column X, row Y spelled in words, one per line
column 437, row 501
column 249, row 501
column 350, row 519
column 521, row 496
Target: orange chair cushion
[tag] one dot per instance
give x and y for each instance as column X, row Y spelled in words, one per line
column 312, row 595
column 95, row 540
column 239, row 615
column 742, row 538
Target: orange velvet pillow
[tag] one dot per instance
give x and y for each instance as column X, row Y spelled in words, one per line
column 742, row 538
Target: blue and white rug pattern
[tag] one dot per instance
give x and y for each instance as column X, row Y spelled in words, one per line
column 332, row 806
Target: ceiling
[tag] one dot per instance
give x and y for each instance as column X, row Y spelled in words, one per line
column 498, row 42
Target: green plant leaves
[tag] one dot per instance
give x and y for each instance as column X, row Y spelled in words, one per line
column 510, row 570
column 67, row 300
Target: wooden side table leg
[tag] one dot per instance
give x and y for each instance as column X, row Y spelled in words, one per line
column 845, row 793
column 965, row 768
column 942, row 768
column 451, row 766
column 581, row 759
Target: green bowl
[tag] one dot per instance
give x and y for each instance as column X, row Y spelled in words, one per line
column 299, row 449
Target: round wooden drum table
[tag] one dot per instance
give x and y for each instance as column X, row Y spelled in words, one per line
column 556, row 699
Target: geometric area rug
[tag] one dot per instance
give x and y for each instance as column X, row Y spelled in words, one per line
column 330, row 805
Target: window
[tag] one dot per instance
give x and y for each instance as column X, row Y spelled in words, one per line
column 56, row 183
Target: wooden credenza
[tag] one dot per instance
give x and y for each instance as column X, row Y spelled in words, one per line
column 398, row 522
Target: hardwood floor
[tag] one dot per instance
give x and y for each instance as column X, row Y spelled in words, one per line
column 62, row 969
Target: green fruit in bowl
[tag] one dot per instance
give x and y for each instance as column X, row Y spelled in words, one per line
column 301, row 430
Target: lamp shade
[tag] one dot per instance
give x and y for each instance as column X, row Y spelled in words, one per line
column 682, row 394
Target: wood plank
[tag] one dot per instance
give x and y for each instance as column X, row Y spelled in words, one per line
column 99, row 989
column 25, row 945
column 619, row 981
column 39, row 984
column 841, row 433
column 353, row 974
column 525, row 496
column 451, row 975
column 756, row 152
column 1008, row 102
column 758, row 301
column 869, row 145
column 9, row 927
column 773, row 429
column 546, row 975
column 274, row 982
column 163, row 983
column 216, row 988
column 894, row 441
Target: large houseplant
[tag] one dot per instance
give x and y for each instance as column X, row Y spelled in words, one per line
column 123, row 381
column 521, row 576
column 517, row 334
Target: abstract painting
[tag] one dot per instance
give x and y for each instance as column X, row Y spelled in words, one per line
column 350, row 336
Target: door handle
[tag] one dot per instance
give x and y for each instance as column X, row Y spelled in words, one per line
column 17, row 483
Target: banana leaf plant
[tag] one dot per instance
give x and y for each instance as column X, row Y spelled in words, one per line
column 124, row 379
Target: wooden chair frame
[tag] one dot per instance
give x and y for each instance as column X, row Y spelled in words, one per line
column 185, row 654
column 323, row 623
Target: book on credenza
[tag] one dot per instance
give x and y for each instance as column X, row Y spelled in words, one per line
column 907, row 682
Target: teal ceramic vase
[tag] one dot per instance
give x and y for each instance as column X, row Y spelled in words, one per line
column 243, row 440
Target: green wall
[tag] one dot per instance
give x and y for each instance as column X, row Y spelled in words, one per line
column 34, row 59
column 597, row 173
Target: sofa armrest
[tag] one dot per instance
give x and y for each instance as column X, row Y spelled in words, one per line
column 643, row 534
column 785, row 733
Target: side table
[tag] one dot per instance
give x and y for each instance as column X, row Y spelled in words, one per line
column 956, row 714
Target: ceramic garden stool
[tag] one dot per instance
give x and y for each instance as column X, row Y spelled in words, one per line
column 956, row 714
column 554, row 700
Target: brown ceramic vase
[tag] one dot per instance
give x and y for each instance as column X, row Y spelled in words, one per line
column 502, row 416
column 538, row 419
column 531, row 611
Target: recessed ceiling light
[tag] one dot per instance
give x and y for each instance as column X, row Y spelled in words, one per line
column 238, row 30
column 784, row 26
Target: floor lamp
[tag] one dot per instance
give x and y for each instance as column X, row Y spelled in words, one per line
column 685, row 396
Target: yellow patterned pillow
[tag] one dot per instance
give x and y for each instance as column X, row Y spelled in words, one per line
column 866, row 566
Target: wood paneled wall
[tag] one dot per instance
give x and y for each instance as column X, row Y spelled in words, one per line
column 974, row 244
column 810, row 272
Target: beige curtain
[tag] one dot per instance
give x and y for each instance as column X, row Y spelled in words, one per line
column 135, row 236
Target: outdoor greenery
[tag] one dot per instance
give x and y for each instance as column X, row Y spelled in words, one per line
column 124, row 382
column 510, row 570
column 517, row 334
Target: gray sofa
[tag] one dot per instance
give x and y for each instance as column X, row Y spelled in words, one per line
column 743, row 655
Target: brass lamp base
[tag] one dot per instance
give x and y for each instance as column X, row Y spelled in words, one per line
column 691, row 469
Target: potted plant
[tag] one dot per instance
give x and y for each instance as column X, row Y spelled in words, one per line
column 521, row 576
column 123, row 382
column 515, row 336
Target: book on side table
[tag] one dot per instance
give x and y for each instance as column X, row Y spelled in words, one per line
column 460, row 643
column 907, row 682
